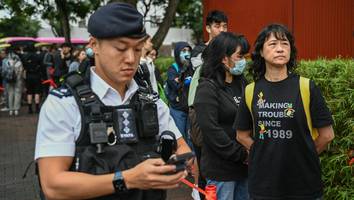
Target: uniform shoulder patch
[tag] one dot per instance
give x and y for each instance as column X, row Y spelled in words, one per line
column 61, row 92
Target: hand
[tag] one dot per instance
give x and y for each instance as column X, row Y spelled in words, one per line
column 187, row 80
column 153, row 174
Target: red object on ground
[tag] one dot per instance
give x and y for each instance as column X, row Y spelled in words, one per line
column 1, row 88
column 211, row 192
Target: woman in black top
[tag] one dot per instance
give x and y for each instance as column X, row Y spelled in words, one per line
column 283, row 160
column 216, row 103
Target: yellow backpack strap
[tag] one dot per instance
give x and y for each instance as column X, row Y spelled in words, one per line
column 305, row 96
column 249, row 95
column 248, row 98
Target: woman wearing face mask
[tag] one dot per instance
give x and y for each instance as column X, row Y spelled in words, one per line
column 217, row 99
column 79, row 57
column 88, row 61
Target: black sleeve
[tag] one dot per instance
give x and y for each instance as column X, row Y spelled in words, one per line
column 243, row 119
column 207, row 114
column 320, row 114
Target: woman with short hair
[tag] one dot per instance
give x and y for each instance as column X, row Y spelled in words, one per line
column 280, row 107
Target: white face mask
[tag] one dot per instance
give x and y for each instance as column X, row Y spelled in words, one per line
column 238, row 68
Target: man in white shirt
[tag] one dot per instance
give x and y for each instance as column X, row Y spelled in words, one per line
column 117, row 39
column 148, row 62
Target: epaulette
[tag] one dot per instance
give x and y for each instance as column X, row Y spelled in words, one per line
column 61, row 92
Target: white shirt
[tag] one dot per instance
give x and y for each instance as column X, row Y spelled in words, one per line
column 151, row 68
column 60, row 121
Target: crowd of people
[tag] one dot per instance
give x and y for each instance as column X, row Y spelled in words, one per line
column 258, row 149
column 28, row 73
column 257, row 140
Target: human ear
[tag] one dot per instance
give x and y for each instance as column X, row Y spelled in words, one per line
column 93, row 43
column 208, row 28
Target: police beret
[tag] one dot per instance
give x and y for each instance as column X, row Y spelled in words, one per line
column 116, row 20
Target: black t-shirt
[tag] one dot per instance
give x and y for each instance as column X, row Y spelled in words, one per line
column 283, row 162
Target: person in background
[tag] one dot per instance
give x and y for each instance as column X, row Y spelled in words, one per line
column 4, row 96
column 153, row 55
column 283, row 149
column 48, row 65
column 78, row 59
column 147, row 62
column 159, row 80
column 12, row 70
column 88, row 61
column 216, row 23
column 216, row 105
column 179, row 75
column 32, row 65
column 61, row 62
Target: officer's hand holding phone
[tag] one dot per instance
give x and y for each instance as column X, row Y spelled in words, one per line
column 181, row 161
column 153, row 174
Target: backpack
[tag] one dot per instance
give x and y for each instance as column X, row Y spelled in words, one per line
column 305, row 96
column 11, row 68
column 195, row 131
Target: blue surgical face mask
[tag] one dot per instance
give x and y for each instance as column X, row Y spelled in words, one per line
column 238, row 67
column 185, row 55
column 89, row 52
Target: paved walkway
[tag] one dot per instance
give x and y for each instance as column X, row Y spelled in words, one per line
column 17, row 137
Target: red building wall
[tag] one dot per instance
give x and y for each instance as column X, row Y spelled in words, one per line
column 322, row 28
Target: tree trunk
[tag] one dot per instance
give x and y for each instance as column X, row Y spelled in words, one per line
column 166, row 23
column 132, row 2
column 64, row 18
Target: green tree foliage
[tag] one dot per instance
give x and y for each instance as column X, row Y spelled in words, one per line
column 19, row 26
column 190, row 15
column 58, row 14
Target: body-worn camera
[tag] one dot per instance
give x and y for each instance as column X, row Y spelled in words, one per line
column 147, row 117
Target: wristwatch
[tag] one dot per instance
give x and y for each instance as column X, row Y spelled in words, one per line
column 118, row 182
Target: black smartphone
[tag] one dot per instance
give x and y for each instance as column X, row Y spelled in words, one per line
column 180, row 160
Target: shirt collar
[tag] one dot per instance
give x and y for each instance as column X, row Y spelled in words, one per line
column 104, row 91
column 146, row 60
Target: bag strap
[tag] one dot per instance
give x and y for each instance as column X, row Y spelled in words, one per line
column 175, row 66
column 305, row 96
column 84, row 98
column 249, row 98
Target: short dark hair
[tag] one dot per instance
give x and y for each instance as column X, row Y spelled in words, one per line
column 258, row 67
column 216, row 16
column 225, row 44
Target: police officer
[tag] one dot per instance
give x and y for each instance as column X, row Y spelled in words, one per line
column 118, row 36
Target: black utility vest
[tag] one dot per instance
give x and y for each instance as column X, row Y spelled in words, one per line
column 114, row 138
